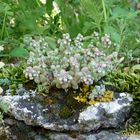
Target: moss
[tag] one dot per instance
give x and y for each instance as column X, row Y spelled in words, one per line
column 128, row 81
column 70, row 106
column 44, row 99
column 131, row 129
column 74, row 135
column 65, row 112
column 70, row 101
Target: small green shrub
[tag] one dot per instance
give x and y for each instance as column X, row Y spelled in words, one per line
column 11, row 77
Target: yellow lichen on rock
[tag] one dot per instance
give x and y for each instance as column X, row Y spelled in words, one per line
column 83, row 97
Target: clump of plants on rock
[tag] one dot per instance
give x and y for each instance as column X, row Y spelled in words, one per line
column 71, row 62
column 71, row 46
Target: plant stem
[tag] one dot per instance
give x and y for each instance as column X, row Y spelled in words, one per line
column 104, row 10
column 3, row 25
column 38, row 3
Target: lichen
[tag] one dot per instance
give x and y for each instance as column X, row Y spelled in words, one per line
column 106, row 97
column 91, row 96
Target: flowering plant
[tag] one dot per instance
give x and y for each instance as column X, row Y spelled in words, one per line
column 70, row 63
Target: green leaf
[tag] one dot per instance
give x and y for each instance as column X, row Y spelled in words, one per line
column 136, row 67
column 4, row 106
column 60, row 2
column 49, row 6
column 88, row 26
column 19, row 52
column 108, row 83
column 4, row 81
column 92, row 9
column 113, row 32
column 51, row 42
column 4, row 7
column 123, row 13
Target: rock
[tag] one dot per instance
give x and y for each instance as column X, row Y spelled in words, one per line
column 102, row 135
column 87, row 137
column 133, row 138
column 9, row 121
column 106, row 115
column 20, row 131
column 60, row 137
column 106, row 135
column 102, row 115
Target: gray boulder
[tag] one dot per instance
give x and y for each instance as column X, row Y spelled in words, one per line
column 102, row 115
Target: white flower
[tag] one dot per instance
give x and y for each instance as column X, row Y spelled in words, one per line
column 1, row 48
column 96, row 34
column 1, row 90
column 43, row 1
column 1, row 64
column 56, row 7
column 12, row 22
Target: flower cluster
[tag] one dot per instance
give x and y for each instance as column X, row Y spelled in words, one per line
column 69, row 63
column 106, row 40
column 65, row 41
column 78, row 41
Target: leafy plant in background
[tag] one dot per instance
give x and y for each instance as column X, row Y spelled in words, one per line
column 21, row 17
column 120, row 19
column 94, row 13
column 71, row 17
column 10, row 28
column 123, row 26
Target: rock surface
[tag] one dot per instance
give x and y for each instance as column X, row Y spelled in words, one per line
column 102, row 115
column 103, row 135
column 19, row 131
column 106, row 115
